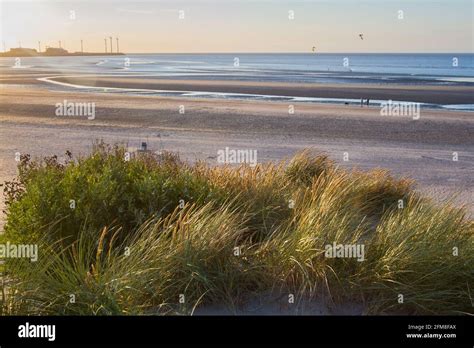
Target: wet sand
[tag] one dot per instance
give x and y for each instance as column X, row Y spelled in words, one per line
column 412, row 93
column 421, row 93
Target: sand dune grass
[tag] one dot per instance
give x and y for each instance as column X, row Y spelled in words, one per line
column 154, row 235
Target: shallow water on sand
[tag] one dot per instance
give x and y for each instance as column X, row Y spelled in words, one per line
column 437, row 69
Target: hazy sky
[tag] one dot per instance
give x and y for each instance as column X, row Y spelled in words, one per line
column 242, row 25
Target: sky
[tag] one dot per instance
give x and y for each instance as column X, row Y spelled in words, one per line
column 153, row 26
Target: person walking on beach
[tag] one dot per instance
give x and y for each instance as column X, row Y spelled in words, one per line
column 368, row 101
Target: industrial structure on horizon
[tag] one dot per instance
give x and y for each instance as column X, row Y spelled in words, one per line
column 58, row 51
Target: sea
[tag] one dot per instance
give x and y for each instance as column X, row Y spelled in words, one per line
column 446, row 69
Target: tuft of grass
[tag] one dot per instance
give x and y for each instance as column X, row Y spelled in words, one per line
column 303, row 168
column 130, row 247
column 324, row 215
column 262, row 193
column 424, row 253
column 167, row 266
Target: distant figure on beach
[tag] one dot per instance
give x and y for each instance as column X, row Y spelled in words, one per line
column 368, row 101
column 361, row 102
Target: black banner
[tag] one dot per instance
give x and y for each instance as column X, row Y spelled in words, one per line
column 241, row 330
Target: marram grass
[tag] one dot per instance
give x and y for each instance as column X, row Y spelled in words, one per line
column 154, row 235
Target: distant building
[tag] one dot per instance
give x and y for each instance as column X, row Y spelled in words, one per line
column 22, row 52
column 55, row 51
column 50, row 52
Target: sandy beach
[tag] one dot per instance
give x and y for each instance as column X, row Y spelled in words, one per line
column 421, row 149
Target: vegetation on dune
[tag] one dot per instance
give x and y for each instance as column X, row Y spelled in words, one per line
column 154, row 235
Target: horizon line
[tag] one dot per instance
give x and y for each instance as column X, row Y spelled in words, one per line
column 260, row 52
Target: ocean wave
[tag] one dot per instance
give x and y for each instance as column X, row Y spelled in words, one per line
column 459, row 107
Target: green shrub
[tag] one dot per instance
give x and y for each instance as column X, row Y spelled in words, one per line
column 100, row 190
